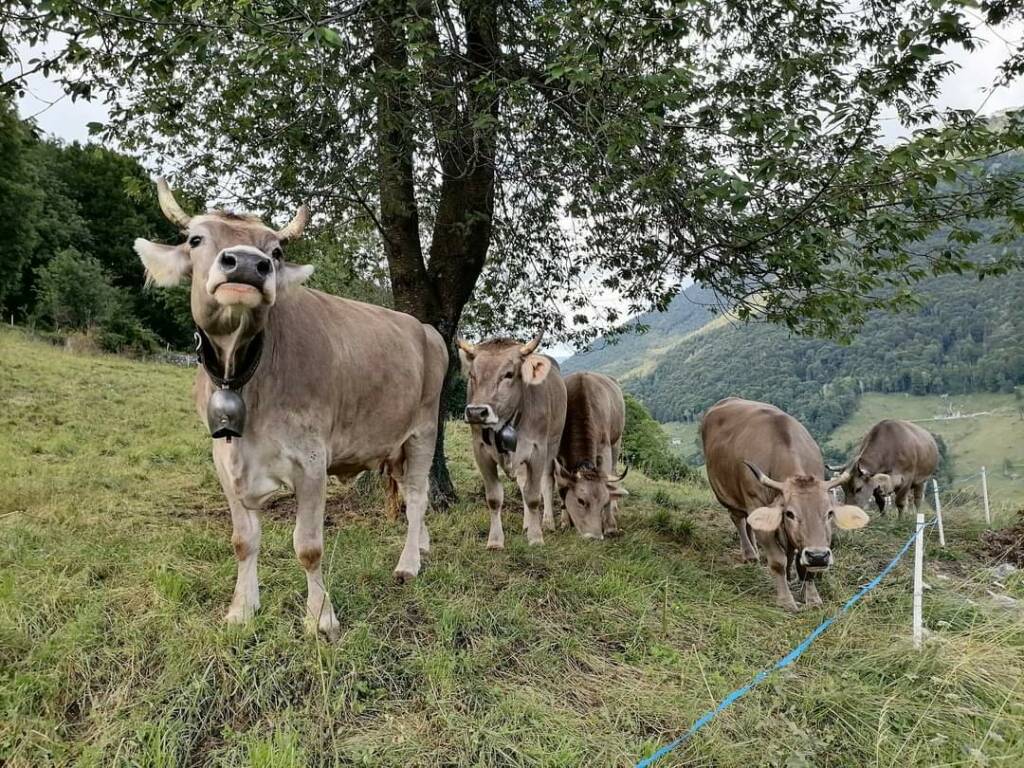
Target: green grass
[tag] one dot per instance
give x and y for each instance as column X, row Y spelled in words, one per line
column 988, row 440
column 116, row 566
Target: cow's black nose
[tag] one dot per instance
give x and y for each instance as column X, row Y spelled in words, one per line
column 245, row 266
column 817, row 558
column 476, row 414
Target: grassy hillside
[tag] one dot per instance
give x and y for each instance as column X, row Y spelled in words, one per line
column 633, row 353
column 994, row 438
column 116, row 566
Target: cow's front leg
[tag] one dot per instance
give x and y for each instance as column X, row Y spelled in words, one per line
column 777, row 561
column 530, row 479
column 495, row 493
column 901, row 501
column 547, row 490
column 747, row 548
column 245, row 539
column 414, row 482
column 308, row 538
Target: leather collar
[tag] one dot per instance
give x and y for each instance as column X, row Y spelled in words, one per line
column 208, row 359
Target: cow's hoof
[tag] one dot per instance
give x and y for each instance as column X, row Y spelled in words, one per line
column 549, row 525
column 495, row 545
column 536, row 541
column 789, row 605
column 403, row 576
column 240, row 614
column 327, row 626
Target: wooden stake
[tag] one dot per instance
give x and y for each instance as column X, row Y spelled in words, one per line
column 918, row 579
column 984, row 495
column 938, row 513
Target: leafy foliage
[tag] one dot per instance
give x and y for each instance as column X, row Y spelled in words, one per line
column 645, row 446
column 613, row 146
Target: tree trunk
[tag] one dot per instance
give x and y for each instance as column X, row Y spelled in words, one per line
column 436, row 293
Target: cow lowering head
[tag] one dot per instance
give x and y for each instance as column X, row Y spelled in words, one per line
column 861, row 485
column 236, row 265
column 588, row 492
column 805, row 511
column 499, row 371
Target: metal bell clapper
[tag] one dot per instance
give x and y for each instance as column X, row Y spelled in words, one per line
column 225, row 414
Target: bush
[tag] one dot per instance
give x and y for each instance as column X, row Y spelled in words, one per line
column 645, row 446
column 73, row 292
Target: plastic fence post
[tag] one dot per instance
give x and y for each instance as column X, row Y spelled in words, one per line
column 984, row 496
column 918, row 578
column 938, row 513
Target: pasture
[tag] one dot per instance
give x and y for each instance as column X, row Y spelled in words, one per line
column 116, row 567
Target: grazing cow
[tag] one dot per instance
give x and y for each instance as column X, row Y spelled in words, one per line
column 595, row 419
column 894, row 457
column 308, row 384
column 516, row 411
column 746, row 446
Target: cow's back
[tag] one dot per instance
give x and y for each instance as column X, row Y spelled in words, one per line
column 734, row 431
column 900, row 448
column 595, row 417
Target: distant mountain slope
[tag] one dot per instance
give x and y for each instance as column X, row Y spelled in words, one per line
column 967, row 337
column 634, row 353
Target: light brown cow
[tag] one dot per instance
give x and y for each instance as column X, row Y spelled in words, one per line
column 791, row 517
column 516, row 410
column 894, row 457
column 338, row 387
column 588, row 454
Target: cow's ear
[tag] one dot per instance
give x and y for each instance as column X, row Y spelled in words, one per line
column 535, row 369
column 166, row 265
column 849, row 517
column 293, row 274
column 883, row 482
column 765, row 518
column 616, row 491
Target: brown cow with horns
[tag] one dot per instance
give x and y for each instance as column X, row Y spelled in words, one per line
column 308, row 385
column 766, row 469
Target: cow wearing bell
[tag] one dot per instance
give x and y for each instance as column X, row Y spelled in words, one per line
column 589, row 454
column 765, row 468
column 516, row 411
column 337, row 387
column 895, row 457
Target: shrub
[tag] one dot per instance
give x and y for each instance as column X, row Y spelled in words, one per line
column 645, row 446
column 73, row 292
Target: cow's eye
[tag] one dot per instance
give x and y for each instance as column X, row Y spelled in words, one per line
column 195, row 241
column 277, row 253
column 509, row 375
column 791, row 514
column 831, row 514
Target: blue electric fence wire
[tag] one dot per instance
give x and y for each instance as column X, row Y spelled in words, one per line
column 785, row 661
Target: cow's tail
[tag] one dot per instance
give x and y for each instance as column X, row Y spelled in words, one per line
column 392, row 494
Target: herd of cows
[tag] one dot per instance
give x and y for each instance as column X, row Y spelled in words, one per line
column 298, row 385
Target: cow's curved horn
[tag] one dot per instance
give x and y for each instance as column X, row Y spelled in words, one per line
column 529, row 347
column 174, row 212
column 465, row 346
column 621, row 477
column 763, row 478
column 837, row 481
column 293, row 229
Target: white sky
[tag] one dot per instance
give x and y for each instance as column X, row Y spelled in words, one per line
column 970, row 87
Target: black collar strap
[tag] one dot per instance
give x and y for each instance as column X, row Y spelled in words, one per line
column 208, row 359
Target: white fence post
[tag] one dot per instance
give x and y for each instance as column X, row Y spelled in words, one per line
column 984, row 495
column 918, row 578
column 938, row 512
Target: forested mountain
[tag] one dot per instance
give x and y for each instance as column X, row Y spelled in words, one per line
column 967, row 336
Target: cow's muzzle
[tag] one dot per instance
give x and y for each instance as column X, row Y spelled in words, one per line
column 245, row 267
column 814, row 559
column 481, row 414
